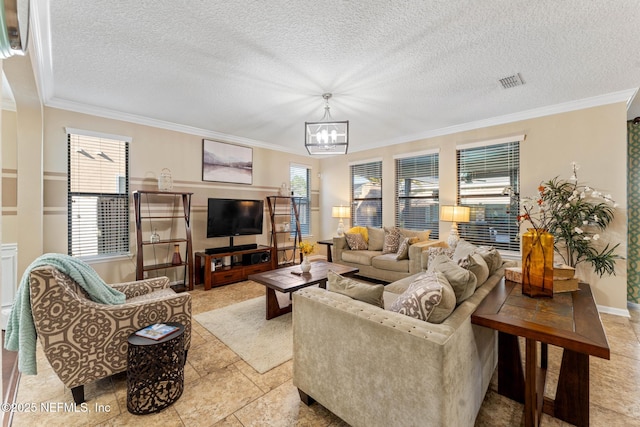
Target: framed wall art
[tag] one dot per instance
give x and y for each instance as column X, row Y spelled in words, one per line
column 222, row 162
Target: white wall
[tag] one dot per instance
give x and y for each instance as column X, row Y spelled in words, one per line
column 595, row 138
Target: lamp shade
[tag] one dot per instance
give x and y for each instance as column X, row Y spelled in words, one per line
column 341, row 212
column 454, row 213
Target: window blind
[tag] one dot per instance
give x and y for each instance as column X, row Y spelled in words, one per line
column 300, row 186
column 484, row 174
column 417, row 193
column 97, row 196
column 366, row 194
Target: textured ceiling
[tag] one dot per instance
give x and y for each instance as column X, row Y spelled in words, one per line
column 253, row 71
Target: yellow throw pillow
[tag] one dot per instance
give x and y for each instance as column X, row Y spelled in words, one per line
column 360, row 230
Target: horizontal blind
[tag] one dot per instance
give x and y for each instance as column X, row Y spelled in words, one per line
column 97, row 196
column 366, row 194
column 300, row 179
column 484, row 174
column 417, row 193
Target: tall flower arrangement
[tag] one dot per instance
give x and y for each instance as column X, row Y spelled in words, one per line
column 575, row 214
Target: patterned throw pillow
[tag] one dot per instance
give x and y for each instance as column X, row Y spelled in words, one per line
column 355, row 241
column 392, row 239
column 403, row 249
column 420, row 298
column 361, row 230
column 432, row 253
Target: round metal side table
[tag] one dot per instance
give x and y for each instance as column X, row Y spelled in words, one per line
column 155, row 371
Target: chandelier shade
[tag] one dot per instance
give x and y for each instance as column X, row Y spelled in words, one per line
column 326, row 136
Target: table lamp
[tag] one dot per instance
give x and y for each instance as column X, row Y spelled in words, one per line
column 454, row 214
column 341, row 212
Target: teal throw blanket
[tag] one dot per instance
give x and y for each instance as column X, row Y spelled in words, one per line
column 21, row 332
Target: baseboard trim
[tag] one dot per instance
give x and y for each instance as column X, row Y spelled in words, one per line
column 10, row 379
column 615, row 311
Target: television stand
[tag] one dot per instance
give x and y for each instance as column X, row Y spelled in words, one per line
column 230, row 249
column 246, row 261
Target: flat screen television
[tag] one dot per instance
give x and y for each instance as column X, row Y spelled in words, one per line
column 233, row 217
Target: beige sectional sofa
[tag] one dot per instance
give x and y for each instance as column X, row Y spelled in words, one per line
column 374, row 367
column 375, row 264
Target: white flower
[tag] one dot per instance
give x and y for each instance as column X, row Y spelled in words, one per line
column 582, row 195
column 596, row 236
column 578, row 230
column 607, row 196
column 586, row 238
column 585, row 222
column 587, row 188
column 595, row 193
column 615, row 205
column 595, row 218
column 568, row 205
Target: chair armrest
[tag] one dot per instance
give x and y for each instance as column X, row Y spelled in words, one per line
column 416, row 264
column 141, row 287
column 339, row 245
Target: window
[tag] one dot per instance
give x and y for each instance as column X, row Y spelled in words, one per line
column 97, row 195
column 484, row 175
column 366, row 194
column 300, row 187
column 417, row 193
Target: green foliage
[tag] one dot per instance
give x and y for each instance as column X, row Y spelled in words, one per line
column 576, row 215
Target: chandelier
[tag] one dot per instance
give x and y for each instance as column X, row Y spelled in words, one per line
column 326, row 136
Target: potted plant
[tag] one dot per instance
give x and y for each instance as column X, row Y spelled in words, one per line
column 575, row 214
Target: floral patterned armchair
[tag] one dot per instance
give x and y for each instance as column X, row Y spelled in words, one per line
column 85, row 341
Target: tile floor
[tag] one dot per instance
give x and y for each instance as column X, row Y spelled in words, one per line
column 222, row 390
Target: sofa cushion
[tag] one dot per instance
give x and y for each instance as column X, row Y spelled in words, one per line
column 392, row 239
column 360, row 230
column 359, row 257
column 403, row 249
column 447, row 303
column 376, row 238
column 489, row 253
column 432, row 253
column 492, row 257
column 420, row 299
column 360, row 291
column 421, row 235
column 390, row 263
column 463, row 250
column 463, row 281
column 478, row 266
column 356, row 241
column 399, row 286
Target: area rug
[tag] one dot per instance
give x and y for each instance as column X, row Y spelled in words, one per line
column 263, row 344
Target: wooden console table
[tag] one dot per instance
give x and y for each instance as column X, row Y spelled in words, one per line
column 568, row 320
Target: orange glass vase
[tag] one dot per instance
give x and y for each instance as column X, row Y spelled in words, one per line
column 537, row 263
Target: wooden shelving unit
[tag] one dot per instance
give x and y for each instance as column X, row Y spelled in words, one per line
column 143, row 236
column 285, row 242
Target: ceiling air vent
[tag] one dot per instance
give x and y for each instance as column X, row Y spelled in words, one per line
column 511, row 81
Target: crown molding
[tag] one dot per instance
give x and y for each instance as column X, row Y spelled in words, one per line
column 161, row 124
column 625, row 96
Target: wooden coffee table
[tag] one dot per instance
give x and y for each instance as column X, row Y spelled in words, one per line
column 568, row 320
column 284, row 280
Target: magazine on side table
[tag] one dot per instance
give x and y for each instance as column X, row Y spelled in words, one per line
column 157, row 331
